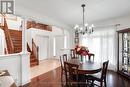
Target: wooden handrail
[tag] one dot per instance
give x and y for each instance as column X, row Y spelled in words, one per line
column 28, row 48
column 35, row 50
column 9, row 42
column 37, row 55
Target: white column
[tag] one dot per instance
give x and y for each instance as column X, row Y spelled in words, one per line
column 24, row 36
column 25, row 56
column 25, row 68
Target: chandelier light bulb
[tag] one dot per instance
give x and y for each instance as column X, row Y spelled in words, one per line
column 81, row 28
column 76, row 26
column 86, row 24
column 92, row 25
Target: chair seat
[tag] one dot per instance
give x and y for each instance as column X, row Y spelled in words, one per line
column 96, row 76
column 101, row 77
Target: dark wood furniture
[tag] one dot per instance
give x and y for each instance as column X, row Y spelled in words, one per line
column 73, row 78
column 90, row 55
column 73, row 55
column 63, row 58
column 87, row 67
column 123, row 63
column 100, row 77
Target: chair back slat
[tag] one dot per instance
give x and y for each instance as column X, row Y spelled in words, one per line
column 64, row 57
column 62, row 60
column 71, row 70
column 104, row 69
column 72, row 53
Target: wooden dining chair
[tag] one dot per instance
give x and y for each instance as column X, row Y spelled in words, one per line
column 63, row 58
column 100, row 77
column 90, row 55
column 73, row 78
column 72, row 53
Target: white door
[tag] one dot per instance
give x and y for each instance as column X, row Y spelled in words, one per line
column 59, row 44
column 43, row 43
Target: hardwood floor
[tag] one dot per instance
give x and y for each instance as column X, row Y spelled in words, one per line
column 52, row 79
column 44, row 66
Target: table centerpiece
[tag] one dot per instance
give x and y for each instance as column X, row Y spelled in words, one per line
column 81, row 50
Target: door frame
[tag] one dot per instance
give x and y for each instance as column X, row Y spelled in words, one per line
column 55, row 45
column 48, row 37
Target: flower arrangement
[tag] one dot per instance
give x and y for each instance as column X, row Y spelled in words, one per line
column 81, row 50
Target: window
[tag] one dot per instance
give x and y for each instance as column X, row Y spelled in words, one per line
column 103, row 44
column 65, row 41
column 54, row 46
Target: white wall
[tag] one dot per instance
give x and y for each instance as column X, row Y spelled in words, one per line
column 43, row 44
column 12, row 23
column 123, row 21
column 15, row 64
column 39, row 17
column 2, row 42
column 0, row 20
column 33, row 33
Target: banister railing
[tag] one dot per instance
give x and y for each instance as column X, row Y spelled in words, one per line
column 28, row 48
column 10, row 46
column 35, row 50
column 37, row 55
column 5, row 51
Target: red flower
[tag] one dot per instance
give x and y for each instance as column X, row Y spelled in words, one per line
column 81, row 50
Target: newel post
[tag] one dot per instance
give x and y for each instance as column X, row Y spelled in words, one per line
column 24, row 36
column 25, row 56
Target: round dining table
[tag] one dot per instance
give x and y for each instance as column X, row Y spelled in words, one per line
column 86, row 67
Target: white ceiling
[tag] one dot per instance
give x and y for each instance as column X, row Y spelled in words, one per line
column 69, row 12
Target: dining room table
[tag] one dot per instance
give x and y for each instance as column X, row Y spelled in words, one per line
column 86, row 67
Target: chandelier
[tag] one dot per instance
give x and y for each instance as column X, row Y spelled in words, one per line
column 84, row 28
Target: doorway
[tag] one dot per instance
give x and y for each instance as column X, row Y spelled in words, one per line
column 43, row 43
column 59, row 45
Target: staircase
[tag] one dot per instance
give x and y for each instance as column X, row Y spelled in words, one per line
column 14, row 44
column 16, row 37
column 33, row 59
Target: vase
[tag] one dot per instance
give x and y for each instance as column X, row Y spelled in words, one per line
column 81, row 58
